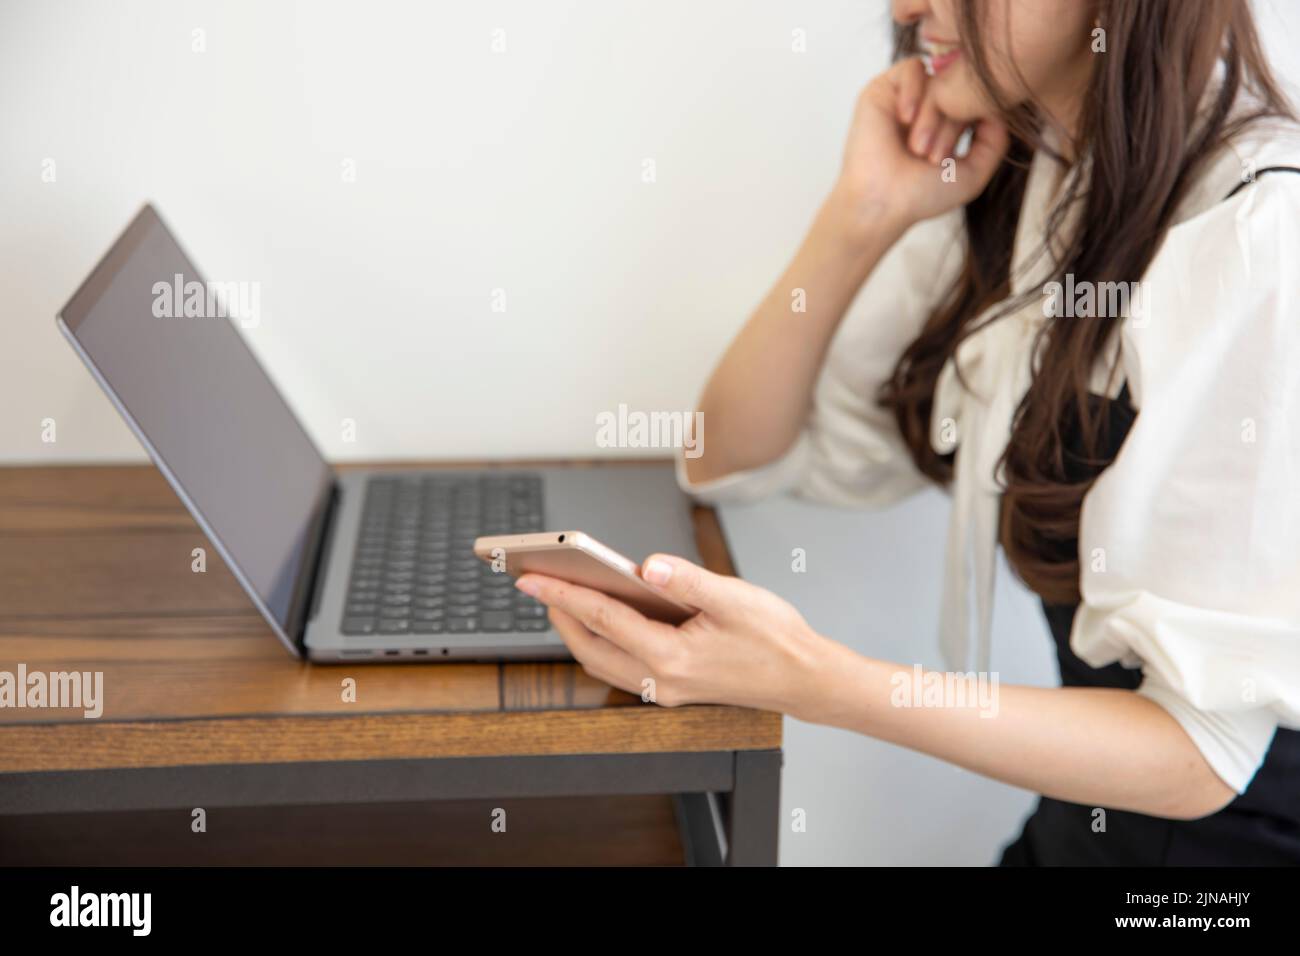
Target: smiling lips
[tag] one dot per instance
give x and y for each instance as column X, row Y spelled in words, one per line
column 938, row 56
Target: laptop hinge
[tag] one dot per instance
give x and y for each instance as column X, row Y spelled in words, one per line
column 312, row 582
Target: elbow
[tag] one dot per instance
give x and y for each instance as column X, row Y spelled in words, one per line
column 1202, row 793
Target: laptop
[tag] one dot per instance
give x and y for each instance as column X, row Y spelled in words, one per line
column 344, row 565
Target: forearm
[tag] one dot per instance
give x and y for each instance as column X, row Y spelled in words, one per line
column 1093, row 746
column 759, row 395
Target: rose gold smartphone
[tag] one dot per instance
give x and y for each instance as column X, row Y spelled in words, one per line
column 579, row 559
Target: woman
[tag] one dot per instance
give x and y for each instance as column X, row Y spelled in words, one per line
column 1086, row 325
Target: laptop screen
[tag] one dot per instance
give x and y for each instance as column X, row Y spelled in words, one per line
column 216, row 425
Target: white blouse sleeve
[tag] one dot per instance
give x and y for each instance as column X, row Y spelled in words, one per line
column 1189, row 543
column 850, row 452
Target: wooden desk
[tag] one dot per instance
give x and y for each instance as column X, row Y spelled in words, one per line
column 204, row 709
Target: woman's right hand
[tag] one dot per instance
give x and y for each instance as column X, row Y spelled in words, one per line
column 759, row 398
column 898, row 144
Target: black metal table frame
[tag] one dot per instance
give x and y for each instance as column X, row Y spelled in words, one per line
column 727, row 802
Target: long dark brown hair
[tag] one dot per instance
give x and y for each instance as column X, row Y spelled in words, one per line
column 1147, row 143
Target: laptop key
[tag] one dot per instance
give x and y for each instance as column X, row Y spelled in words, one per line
column 496, row 621
column 414, row 568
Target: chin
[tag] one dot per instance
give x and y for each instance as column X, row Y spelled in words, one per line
column 959, row 99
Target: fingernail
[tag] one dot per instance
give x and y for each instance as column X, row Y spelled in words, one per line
column 909, row 111
column 657, row 571
column 923, row 142
column 528, row 586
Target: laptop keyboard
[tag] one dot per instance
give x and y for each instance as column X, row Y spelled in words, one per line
column 415, row 572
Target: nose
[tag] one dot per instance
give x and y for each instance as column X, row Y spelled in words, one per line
column 907, row 12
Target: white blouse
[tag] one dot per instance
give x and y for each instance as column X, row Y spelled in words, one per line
column 1189, row 542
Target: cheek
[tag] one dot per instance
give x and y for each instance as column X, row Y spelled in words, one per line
column 1045, row 41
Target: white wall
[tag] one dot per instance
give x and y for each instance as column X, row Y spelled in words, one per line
column 474, row 171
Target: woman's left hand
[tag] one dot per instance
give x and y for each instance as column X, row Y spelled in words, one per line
column 745, row 647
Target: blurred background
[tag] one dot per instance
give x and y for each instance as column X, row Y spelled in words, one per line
column 448, row 206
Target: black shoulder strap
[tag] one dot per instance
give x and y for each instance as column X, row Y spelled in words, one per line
column 1260, row 172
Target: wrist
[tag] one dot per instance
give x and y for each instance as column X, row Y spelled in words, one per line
column 841, row 688
column 864, row 222
column 820, row 670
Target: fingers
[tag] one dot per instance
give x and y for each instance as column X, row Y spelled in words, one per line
column 600, row 658
column 909, row 86
column 932, row 136
column 926, row 127
column 945, row 141
column 691, row 584
column 904, row 92
column 988, row 146
column 601, row 614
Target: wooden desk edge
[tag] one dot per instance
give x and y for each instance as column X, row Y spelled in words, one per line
column 89, row 744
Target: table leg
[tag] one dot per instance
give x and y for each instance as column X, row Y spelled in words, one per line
column 739, row 827
column 754, row 809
